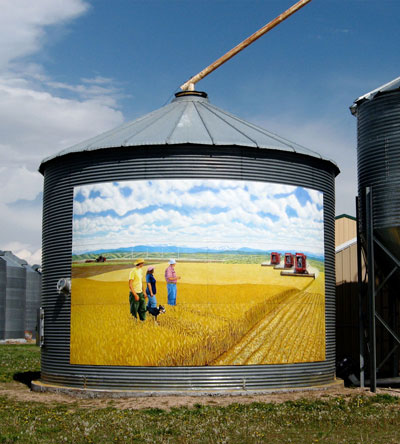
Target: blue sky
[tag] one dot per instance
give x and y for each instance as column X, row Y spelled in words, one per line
column 72, row 69
column 206, row 214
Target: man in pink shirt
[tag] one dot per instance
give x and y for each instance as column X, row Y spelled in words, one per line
column 171, row 278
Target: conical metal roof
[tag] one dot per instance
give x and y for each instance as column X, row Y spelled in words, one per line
column 189, row 119
column 393, row 85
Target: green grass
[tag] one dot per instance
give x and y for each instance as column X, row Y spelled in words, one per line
column 351, row 420
column 16, row 359
column 361, row 420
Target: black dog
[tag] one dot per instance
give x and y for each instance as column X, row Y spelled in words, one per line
column 155, row 311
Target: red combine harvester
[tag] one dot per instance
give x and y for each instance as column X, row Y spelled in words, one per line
column 300, row 263
column 275, row 258
column 289, row 260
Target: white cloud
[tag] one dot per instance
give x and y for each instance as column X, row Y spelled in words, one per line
column 20, row 226
column 36, row 120
column 196, row 218
column 23, row 22
column 36, row 124
column 21, row 250
column 19, row 183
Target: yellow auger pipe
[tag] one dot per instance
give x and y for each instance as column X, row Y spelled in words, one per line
column 189, row 85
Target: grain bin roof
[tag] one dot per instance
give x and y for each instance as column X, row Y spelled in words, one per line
column 189, row 119
column 12, row 260
column 387, row 87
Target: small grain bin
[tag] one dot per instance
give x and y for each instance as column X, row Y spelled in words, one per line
column 187, row 141
column 3, row 286
column 20, row 289
column 13, row 298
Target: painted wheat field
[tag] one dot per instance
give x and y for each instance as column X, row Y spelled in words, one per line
column 226, row 314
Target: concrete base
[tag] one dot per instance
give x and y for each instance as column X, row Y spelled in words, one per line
column 39, row 386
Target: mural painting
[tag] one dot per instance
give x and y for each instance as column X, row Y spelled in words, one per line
column 197, row 272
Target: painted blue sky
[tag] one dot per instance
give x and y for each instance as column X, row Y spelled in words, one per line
column 213, row 214
column 71, row 69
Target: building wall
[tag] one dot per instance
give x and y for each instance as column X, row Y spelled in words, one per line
column 347, row 317
column 346, row 265
column 345, row 229
column 347, row 334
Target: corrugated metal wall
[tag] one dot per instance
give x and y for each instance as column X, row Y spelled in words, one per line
column 378, row 160
column 15, row 301
column 62, row 174
column 20, row 290
column 3, row 284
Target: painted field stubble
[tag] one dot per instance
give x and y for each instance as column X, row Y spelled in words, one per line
column 293, row 331
column 210, row 324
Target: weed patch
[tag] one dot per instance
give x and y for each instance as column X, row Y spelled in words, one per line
column 336, row 420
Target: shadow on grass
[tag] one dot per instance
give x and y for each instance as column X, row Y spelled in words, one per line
column 26, row 377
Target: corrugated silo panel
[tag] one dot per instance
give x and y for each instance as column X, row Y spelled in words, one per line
column 3, row 287
column 378, row 160
column 15, row 302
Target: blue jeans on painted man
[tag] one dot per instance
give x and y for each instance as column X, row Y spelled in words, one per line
column 171, row 288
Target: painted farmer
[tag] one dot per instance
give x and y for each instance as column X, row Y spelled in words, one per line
column 137, row 299
column 171, row 278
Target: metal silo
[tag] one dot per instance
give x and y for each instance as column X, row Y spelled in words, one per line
column 14, row 312
column 187, row 139
column 378, row 163
column 3, row 286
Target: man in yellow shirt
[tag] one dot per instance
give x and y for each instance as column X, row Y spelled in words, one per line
column 137, row 299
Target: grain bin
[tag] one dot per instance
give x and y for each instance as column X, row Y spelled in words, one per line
column 20, row 289
column 14, row 282
column 3, row 286
column 193, row 183
column 378, row 159
column 378, row 164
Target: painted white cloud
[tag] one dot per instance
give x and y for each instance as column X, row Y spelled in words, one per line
column 194, row 213
column 36, row 119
